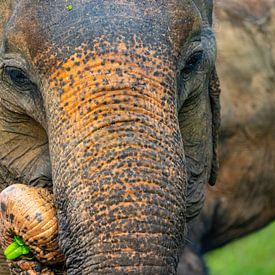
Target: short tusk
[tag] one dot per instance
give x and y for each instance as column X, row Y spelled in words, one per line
column 28, row 223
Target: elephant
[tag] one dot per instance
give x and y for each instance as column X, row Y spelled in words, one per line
column 113, row 107
column 243, row 199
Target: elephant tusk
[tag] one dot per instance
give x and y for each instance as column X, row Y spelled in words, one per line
column 28, row 224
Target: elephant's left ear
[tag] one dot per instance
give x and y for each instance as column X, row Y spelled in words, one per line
column 214, row 92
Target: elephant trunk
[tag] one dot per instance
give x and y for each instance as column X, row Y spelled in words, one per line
column 118, row 163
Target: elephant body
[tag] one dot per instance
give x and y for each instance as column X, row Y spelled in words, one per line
column 243, row 199
column 114, row 107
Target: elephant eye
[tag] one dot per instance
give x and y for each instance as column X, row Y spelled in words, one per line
column 17, row 77
column 193, row 63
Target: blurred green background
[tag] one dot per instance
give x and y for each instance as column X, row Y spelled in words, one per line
column 252, row 255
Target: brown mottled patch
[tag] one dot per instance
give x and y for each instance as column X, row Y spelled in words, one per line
column 20, row 36
column 85, row 78
column 38, row 217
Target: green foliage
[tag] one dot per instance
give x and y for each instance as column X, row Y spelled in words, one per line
column 253, row 255
column 70, row 7
column 16, row 249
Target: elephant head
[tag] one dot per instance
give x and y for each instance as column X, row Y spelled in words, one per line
column 108, row 103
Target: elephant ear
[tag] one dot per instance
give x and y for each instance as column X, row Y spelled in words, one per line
column 214, row 93
column 206, row 10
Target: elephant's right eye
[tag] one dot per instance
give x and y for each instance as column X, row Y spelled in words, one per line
column 17, row 78
column 193, row 63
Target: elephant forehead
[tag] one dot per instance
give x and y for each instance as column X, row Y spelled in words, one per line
column 37, row 27
column 98, row 70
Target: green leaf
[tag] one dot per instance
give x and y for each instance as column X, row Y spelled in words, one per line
column 25, row 250
column 12, row 247
column 16, row 249
column 18, row 240
column 70, row 7
column 16, row 253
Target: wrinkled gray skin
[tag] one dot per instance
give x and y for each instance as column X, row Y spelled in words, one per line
column 46, row 141
column 243, row 199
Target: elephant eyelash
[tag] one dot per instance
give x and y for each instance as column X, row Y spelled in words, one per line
column 193, row 63
column 16, row 77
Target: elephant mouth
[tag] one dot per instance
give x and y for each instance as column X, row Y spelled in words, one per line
column 43, row 182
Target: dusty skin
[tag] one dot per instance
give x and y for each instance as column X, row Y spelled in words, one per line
column 243, row 199
column 113, row 106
